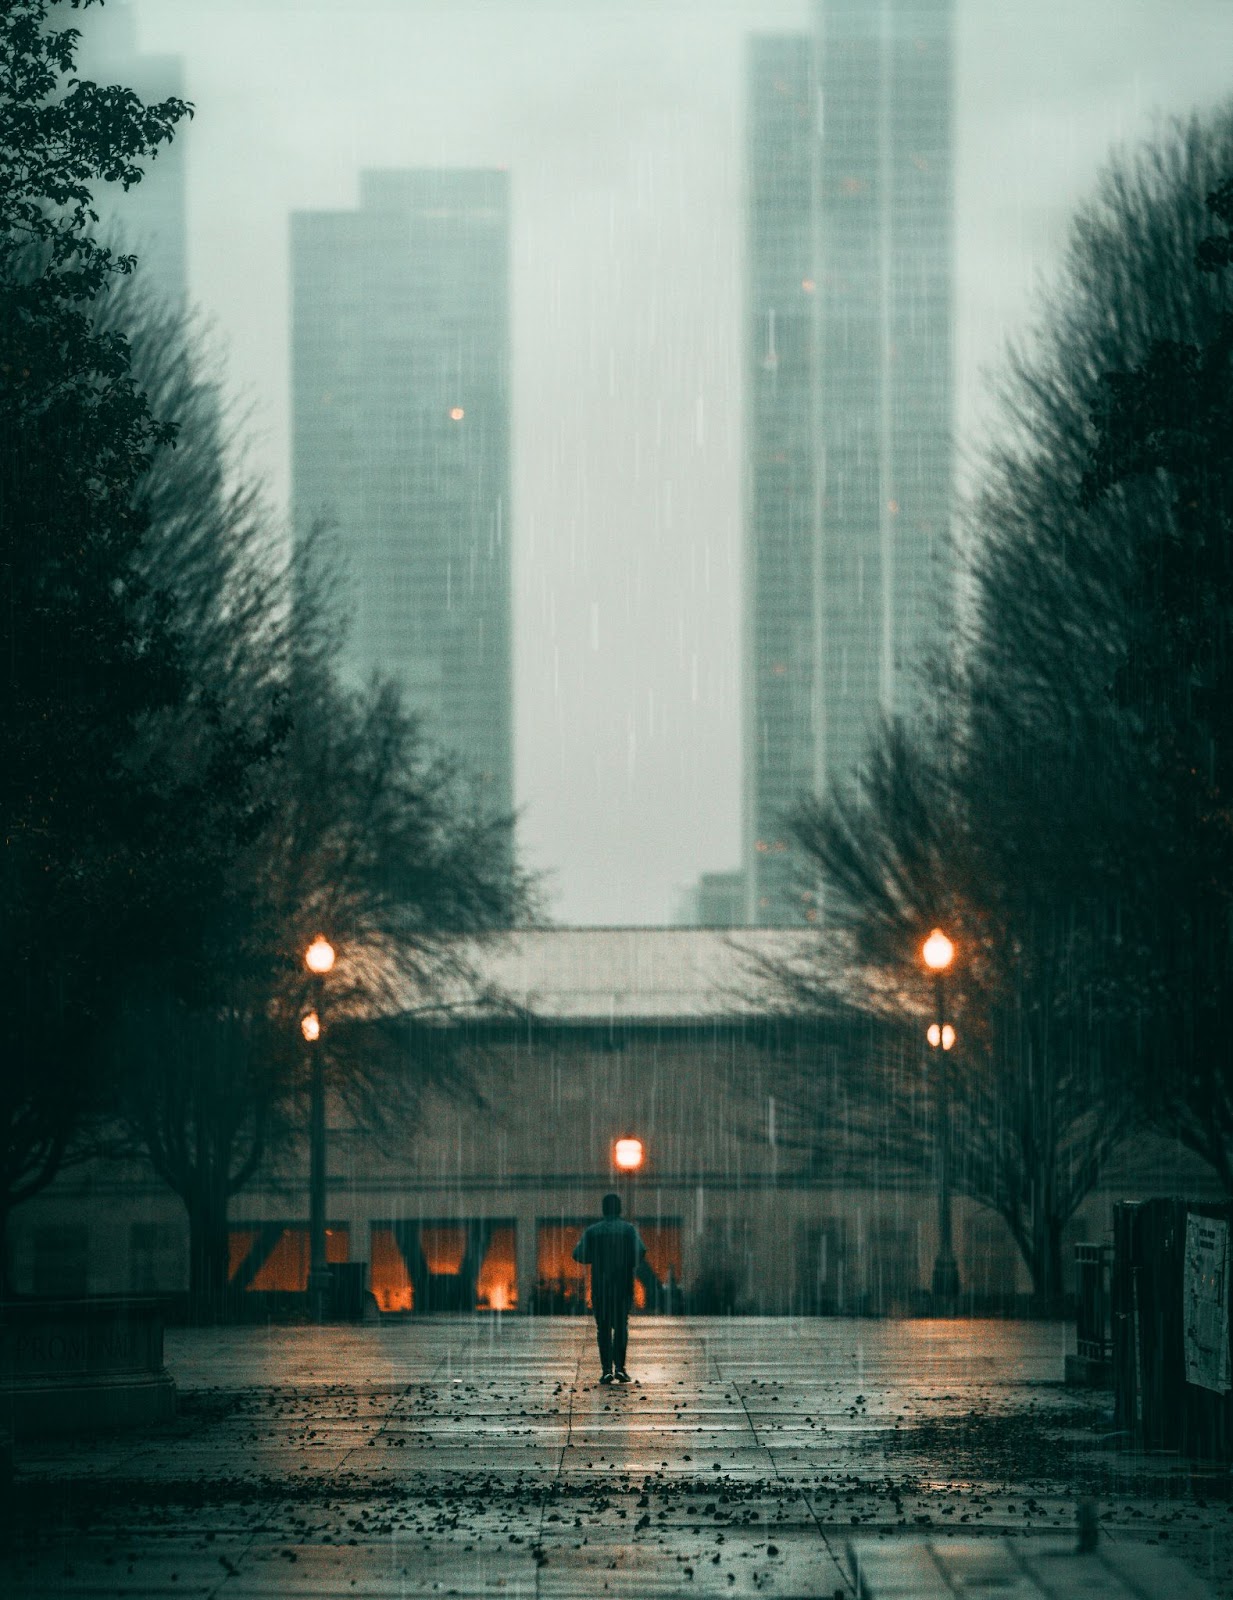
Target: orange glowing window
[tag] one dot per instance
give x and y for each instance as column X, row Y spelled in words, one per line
column 808, row 285
column 663, row 1254
column 457, row 414
column 239, row 1242
column 285, row 1269
column 286, row 1266
column 497, row 1286
column 444, row 1246
column 557, row 1274
column 663, row 1248
column 388, row 1276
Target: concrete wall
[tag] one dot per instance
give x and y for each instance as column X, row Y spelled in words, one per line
column 731, row 1192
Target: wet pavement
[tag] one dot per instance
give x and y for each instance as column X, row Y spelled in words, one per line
column 480, row 1456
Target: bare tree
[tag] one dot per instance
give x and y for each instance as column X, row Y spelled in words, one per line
column 1098, row 609
column 921, row 844
column 1065, row 817
column 314, row 807
column 1169, row 420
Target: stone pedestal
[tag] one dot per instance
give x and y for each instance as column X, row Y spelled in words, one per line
column 70, row 1366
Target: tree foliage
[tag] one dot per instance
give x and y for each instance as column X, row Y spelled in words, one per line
column 87, row 649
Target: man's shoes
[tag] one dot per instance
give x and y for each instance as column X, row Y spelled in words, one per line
column 621, row 1375
column 606, row 1377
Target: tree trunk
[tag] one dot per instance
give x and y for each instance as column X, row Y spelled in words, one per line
column 1045, row 1265
column 208, row 1257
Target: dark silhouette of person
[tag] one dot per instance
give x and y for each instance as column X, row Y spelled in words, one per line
column 613, row 1249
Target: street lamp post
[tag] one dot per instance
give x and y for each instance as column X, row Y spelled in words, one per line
column 938, row 953
column 628, row 1154
column 319, row 959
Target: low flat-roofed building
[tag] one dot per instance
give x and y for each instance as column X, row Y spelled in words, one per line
column 665, row 1036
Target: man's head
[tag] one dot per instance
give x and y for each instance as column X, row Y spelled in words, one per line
column 612, row 1205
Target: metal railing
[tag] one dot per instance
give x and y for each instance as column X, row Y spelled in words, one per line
column 1093, row 1307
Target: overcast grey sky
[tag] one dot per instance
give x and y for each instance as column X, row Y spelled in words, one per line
column 621, row 123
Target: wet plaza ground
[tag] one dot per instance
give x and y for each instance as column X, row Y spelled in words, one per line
column 480, row 1456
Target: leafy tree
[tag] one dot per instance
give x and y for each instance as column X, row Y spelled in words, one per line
column 87, row 650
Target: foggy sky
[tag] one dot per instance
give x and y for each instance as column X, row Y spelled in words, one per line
column 622, row 126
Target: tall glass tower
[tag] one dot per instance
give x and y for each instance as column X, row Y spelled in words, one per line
column 781, row 669
column 848, row 480
column 400, row 437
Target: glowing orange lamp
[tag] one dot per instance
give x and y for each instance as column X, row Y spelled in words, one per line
column 627, row 1154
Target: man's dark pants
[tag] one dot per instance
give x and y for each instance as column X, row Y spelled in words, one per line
column 612, row 1329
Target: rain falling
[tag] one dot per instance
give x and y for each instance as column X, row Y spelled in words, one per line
column 617, row 882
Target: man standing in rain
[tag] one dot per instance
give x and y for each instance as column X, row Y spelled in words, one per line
column 613, row 1249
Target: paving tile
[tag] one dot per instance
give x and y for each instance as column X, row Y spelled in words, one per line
column 379, row 1570
column 652, row 1562
column 481, row 1455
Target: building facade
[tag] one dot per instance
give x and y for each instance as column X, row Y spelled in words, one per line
column 660, row 1035
column 713, row 900
column 400, row 441
column 848, row 360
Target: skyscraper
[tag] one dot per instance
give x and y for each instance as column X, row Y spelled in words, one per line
column 849, row 363
column 400, row 437
column 781, row 669
column 150, row 219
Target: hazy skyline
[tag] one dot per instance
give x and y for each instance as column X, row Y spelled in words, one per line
column 622, row 126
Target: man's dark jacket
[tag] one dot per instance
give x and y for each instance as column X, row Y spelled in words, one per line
column 612, row 1249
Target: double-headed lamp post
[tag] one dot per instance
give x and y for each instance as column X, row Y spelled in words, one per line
column 938, row 954
column 319, row 959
